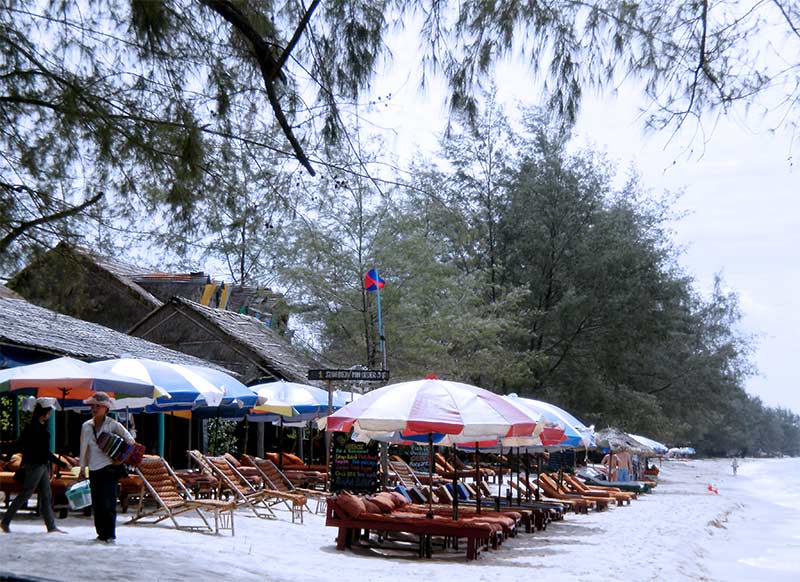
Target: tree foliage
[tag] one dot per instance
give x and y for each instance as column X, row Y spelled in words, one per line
column 548, row 277
column 121, row 108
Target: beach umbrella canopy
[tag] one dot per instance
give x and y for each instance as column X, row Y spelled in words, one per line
column 432, row 406
column 234, row 393
column 305, row 399
column 186, row 386
column 656, row 446
column 576, row 433
column 617, row 440
column 71, row 381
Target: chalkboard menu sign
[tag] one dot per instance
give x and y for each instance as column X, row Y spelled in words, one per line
column 354, row 466
column 420, row 459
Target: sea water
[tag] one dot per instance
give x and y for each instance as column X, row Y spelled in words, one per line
column 762, row 533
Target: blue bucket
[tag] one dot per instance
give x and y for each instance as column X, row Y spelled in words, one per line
column 79, row 495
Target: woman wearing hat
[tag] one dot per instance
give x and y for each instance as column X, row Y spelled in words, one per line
column 103, row 473
column 36, row 461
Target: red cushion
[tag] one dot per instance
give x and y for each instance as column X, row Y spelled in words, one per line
column 350, row 505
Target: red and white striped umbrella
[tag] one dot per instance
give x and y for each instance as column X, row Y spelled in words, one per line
column 432, row 406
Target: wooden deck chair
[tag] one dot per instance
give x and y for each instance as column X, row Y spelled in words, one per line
column 276, row 479
column 526, row 488
column 408, row 478
column 244, row 492
column 576, row 486
column 172, row 498
column 551, row 487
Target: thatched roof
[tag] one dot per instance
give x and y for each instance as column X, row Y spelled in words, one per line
column 25, row 325
column 6, row 293
column 249, row 338
column 125, row 273
column 615, row 439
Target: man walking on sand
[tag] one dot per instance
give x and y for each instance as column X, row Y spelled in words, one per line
column 735, row 465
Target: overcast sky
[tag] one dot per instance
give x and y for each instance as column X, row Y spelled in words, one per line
column 740, row 192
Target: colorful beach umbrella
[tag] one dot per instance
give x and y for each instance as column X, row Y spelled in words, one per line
column 431, row 406
column 576, row 433
column 71, row 381
column 307, row 401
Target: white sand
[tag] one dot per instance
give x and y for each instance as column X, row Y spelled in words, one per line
column 680, row 532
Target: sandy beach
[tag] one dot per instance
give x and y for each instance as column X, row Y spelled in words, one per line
column 682, row 531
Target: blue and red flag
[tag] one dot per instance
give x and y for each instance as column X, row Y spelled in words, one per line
column 372, row 282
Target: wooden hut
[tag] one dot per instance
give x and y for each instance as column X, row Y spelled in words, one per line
column 233, row 340
column 87, row 285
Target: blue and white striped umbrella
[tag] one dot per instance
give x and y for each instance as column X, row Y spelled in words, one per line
column 186, row 385
column 308, row 401
column 658, row 448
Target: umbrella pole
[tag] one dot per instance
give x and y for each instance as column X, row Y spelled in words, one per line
column 430, row 482
column 538, row 472
column 519, row 479
column 280, row 445
column 500, row 480
column 477, row 480
column 527, row 476
column 455, row 487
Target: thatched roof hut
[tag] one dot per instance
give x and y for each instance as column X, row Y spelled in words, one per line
column 86, row 285
column 233, row 340
column 35, row 333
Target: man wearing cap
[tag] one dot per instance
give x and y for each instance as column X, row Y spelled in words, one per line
column 103, row 473
column 35, row 469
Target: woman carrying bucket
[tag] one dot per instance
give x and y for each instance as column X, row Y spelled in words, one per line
column 34, row 471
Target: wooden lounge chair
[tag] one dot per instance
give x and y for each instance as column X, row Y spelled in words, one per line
column 172, row 498
column 577, row 486
column 276, row 479
column 348, row 513
column 573, row 502
column 259, row 501
column 408, row 478
column 552, row 488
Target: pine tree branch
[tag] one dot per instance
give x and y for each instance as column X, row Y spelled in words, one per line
column 270, row 69
column 297, row 34
column 18, row 231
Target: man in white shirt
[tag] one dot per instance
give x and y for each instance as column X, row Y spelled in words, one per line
column 104, row 474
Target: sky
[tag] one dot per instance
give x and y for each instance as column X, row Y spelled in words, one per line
column 740, row 198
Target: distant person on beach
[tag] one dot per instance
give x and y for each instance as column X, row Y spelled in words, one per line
column 104, row 475
column 34, row 443
column 735, row 465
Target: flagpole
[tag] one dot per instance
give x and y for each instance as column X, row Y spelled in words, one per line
column 380, row 320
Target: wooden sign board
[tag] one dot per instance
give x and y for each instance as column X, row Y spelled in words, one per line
column 350, row 375
column 354, row 466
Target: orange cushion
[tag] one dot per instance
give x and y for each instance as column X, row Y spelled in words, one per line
column 399, row 499
column 14, row 463
column 350, row 505
column 232, row 460
column 371, row 507
column 290, row 459
column 384, row 504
